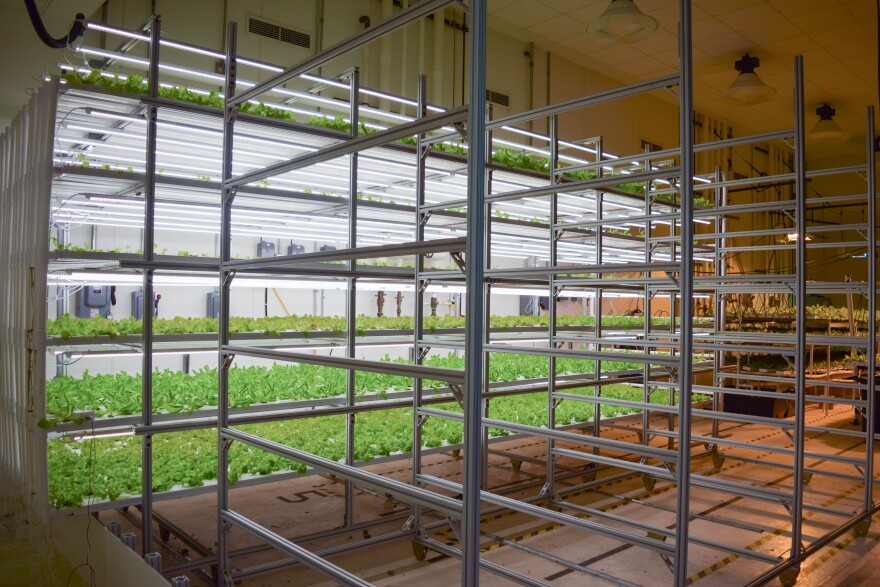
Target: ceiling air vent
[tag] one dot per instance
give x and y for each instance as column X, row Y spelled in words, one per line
column 498, row 98
column 279, row 33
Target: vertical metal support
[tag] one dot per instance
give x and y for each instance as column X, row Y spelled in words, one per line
column 597, row 323
column 549, row 487
column 871, row 401
column 646, row 315
column 419, row 299
column 147, row 334
column 800, row 218
column 686, row 286
column 474, row 329
column 351, row 297
column 226, row 197
column 487, row 309
column 718, row 317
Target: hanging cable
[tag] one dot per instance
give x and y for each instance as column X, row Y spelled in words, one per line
column 75, row 32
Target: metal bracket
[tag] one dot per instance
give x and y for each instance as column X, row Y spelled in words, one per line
column 228, row 277
column 227, row 362
column 557, row 290
column 670, row 275
column 787, row 433
column 230, row 196
column 424, row 285
column 459, row 260
column 558, row 235
column 456, row 527
column 545, row 490
column 789, row 361
column 458, row 395
column 423, row 352
column 556, row 402
column 409, row 523
column 669, row 467
column 422, row 420
column 227, row 444
column 459, row 128
column 425, row 217
column 425, row 149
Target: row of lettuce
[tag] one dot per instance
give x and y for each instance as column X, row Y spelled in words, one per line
column 137, row 85
column 67, row 327
column 110, row 468
column 119, row 394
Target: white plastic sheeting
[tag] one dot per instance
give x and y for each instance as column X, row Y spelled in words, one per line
column 25, row 187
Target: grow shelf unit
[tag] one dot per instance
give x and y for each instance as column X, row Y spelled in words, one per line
column 582, row 256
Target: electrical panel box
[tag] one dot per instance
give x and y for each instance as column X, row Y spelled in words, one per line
column 326, row 248
column 295, row 249
column 93, row 301
column 213, row 309
column 265, row 249
column 137, row 305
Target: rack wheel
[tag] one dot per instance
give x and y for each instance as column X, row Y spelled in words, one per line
column 419, row 551
column 648, row 482
column 456, row 452
column 807, row 477
column 717, row 459
column 516, row 464
column 588, row 477
column 788, row 577
column 861, row 529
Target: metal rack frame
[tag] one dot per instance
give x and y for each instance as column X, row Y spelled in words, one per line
column 670, row 352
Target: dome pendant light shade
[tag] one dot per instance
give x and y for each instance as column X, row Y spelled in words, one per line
column 622, row 22
column 748, row 88
column 826, row 131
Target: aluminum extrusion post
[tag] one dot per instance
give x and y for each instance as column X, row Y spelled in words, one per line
column 419, row 299
column 686, row 286
column 147, row 333
column 226, row 197
column 800, row 219
column 549, row 487
column 475, row 250
column 351, row 297
column 597, row 321
column 717, row 318
column 871, row 401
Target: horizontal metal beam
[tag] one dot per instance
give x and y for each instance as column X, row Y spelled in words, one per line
column 361, row 38
column 403, row 491
column 298, row 552
column 446, row 245
column 598, row 98
column 579, row 354
column 557, row 517
column 573, row 186
column 536, row 272
column 453, row 376
column 360, row 143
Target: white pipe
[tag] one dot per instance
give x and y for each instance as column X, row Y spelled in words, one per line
column 385, row 46
column 439, row 17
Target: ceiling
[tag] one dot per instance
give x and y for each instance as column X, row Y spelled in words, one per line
column 837, row 38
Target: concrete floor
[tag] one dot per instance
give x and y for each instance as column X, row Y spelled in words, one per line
column 27, row 557
column 301, row 507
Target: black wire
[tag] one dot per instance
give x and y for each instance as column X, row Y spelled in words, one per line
column 91, row 486
column 75, row 32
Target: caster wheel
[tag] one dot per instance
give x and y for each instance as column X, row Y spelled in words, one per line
column 807, row 477
column 456, row 453
column 419, row 551
column 515, row 464
column 789, row 577
column 861, row 529
column 717, row 460
column 648, row 482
